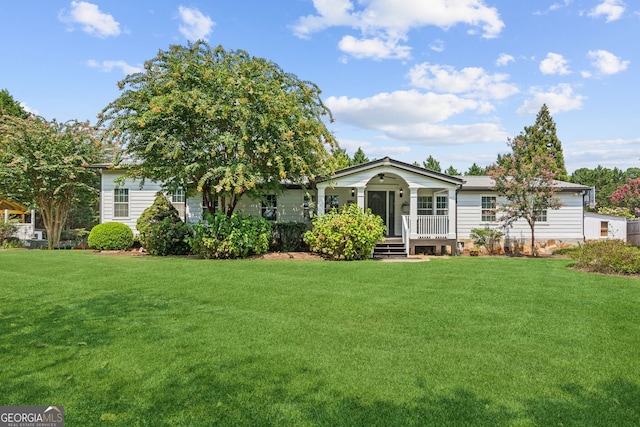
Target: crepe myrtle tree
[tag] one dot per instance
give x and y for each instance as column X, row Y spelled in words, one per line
column 46, row 164
column 220, row 122
column 528, row 184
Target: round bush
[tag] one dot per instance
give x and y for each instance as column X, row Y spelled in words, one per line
column 111, row 236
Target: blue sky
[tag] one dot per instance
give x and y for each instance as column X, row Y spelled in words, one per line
column 403, row 78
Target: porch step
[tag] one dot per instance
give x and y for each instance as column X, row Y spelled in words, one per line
column 389, row 249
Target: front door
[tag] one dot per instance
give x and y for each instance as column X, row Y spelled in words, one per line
column 378, row 204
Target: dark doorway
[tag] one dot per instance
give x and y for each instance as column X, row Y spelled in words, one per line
column 378, row 204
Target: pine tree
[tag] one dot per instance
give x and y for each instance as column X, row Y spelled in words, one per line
column 432, row 164
column 359, row 157
column 541, row 138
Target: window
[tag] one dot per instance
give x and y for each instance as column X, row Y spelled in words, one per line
column 331, row 202
column 270, row 207
column 541, row 216
column 604, row 228
column 309, row 207
column 178, row 199
column 488, row 208
column 441, row 205
column 121, row 203
column 425, row 205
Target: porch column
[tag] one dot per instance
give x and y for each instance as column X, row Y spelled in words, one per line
column 453, row 215
column 413, row 212
column 320, row 201
column 6, row 216
column 361, row 198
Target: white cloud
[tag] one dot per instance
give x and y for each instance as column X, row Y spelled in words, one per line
column 612, row 9
column 437, row 46
column 473, row 81
column 391, row 20
column 607, row 62
column 504, row 59
column 196, row 26
column 554, row 64
column 92, row 20
column 558, row 98
column 108, row 66
column 28, row 109
column 374, row 48
column 414, row 116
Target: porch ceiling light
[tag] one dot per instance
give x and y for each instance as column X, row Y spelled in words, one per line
column 381, row 176
column 401, row 192
column 353, row 192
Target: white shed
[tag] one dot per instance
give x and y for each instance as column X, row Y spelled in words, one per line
column 598, row 226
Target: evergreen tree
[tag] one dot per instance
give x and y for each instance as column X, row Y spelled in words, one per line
column 359, row 157
column 541, row 138
column 452, row 171
column 341, row 158
column 475, row 170
column 432, row 164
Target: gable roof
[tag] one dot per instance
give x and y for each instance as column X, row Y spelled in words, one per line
column 395, row 164
column 12, row 207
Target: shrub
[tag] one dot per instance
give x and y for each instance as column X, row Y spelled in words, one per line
column 487, row 237
column 7, row 230
column 287, row 236
column 113, row 236
column 237, row 236
column 607, row 256
column 162, row 232
column 349, row 234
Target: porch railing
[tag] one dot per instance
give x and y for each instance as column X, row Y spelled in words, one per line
column 429, row 226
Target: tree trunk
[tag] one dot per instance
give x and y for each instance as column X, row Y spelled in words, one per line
column 54, row 214
column 532, row 224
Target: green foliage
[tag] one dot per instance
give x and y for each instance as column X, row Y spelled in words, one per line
column 452, row 171
column 607, row 256
column 541, row 138
column 221, row 122
column 162, row 232
column 10, row 106
column 604, row 179
column 349, row 234
column 487, row 237
column 237, row 236
column 7, row 230
column 619, row 211
column 287, row 236
column 475, row 170
column 432, row 164
column 47, row 164
column 341, row 158
column 359, row 157
column 111, row 236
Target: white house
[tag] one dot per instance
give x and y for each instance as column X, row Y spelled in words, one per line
column 422, row 209
column 600, row 227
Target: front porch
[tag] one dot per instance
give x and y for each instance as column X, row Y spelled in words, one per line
column 416, row 205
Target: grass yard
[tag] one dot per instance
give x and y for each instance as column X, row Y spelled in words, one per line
column 144, row 341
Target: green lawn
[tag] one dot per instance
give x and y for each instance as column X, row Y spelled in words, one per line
column 143, row 341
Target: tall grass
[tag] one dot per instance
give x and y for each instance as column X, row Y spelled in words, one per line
column 136, row 341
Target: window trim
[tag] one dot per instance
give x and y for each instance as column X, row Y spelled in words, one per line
column 488, row 214
column 269, row 204
column 118, row 204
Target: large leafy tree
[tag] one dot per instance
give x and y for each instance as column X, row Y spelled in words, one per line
column 46, row 164
column 223, row 122
column 528, row 185
column 605, row 180
column 541, row 138
column 628, row 196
